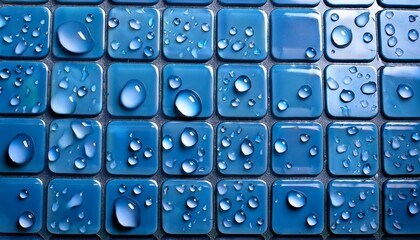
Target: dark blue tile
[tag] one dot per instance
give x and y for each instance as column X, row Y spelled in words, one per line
column 401, row 206
column 133, row 90
column 188, row 34
column 352, row 149
column 131, row 207
column 399, row 96
column 302, row 199
column 21, row 237
column 400, row 148
column 22, row 145
column 76, row 88
column 242, row 148
column 290, row 44
column 135, row 1
column 243, row 2
column 399, row 35
column 189, row 2
column 78, row 33
column 182, row 96
column 74, row 206
column 242, row 91
column 242, row 206
column 23, row 88
column 75, row 2
column 311, row 3
column 297, row 148
column 132, row 148
column 242, row 34
column 187, row 206
column 25, row 32
column 351, row 91
column 350, row 35
column 354, row 3
column 353, row 207
column 187, row 148
column 133, row 33
column 22, row 205
column 25, row 1
column 75, row 146
column 302, row 98
column 400, row 3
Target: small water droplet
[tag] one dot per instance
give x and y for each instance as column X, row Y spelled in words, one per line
column 167, row 206
column 367, row 169
column 174, row 82
column 21, row 149
column 135, row 44
column 122, row 189
column 362, row 196
column 389, row 29
column 249, row 31
column 310, row 53
column 253, row 202
column 26, row 220
column 392, row 41
column 368, row 88
column 332, row 84
column 192, row 202
column 304, row 138
column 240, row 216
column 227, row 223
column 334, row 17
column 413, row 208
column 225, row 204
column 312, row 220
column 296, row 199
column 362, row 19
column 415, row 136
column 137, row 189
column 134, row 24
column 18, row 82
column 238, row 46
column 233, row 31
column 342, row 148
column 189, row 166
column 80, row 163
column 282, row 105
column 247, row 147
column 75, row 37
column 188, row 103
column 280, row 146
column 189, row 137
column 148, row 51
column 345, row 215
column 242, row 84
column 305, row 92
column 352, row 131
column 313, row 151
column 148, row 153
column 180, row 38
column 133, row 94
column 75, row 201
column 336, row 199
column 341, row 36
column 222, row 44
column 176, row 21
column 205, row 27
column 405, row 91
column 187, row 26
column 347, row 95
column 127, row 212
column 113, row 22
column 21, row 47
column 135, row 145
column 132, row 160
column 89, row 18
column 397, row 225
column 23, row 194
column 367, row 37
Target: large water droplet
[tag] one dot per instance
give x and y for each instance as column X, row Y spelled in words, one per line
column 247, row 147
column 225, row 204
column 280, row 146
column 336, row 199
column 296, row 199
column 413, row 35
column 368, row 88
column 21, row 149
column 134, row 24
column 362, row 19
column 26, row 220
column 174, row 82
column 405, row 91
column 135, row 44
column 238, row 46
column 135, row 144
column 188, row 103
column 413, row 208
column 75, row 37
column 133, row 94
column 192, row 202
column 347, row 95
column 341, row 36
column 189, row 137
column 240, row 216
column 242, row 84
column 189, row 166
column 127, row 212
column 304, row 92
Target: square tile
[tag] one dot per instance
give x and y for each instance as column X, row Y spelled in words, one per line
column 182, row 96
column 350, row 35
column 351, row 91
column 242, row 34
column 133, row 90
column 398, row 33
column 189, row 2
column 25, row 32
column 78, row 33
column 287, row 44
column 302, row 199
column 400, row 3
column 297, row 148
column 22, row 207
column 352, row 149
column 188, row 34
column 132, row 148
column 26, row 1
column 308, row 3
column 242, row 91
column 22, row 145
column 242, row 206
column 74, row 206
column 23, row 88
column 76, row 88
column 133, row 33
column 303, row 96
column 187, row 206
column 75, row 146
column 131, row 207
column 400, row 148
column 399, row 86
column 187, row 148
column 401, row 207
column 148, row 2
column 75, row 2
column 354, row 3
column 353, row 207
column 243, row 2
column 242, row 148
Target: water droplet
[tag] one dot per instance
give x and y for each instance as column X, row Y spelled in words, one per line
column 362, row 19
column 133, row 94
column 21, row 149
column 81, row 129
column 127, row 212
column 233, row 31
column 305, row 91
column 282, row 105
column 345, row 215
column 332, row 84
column 222, row 44
column 137, row 189
column 405, row 91
column 347, row 96
column 352, row 203
column 313, row 151
column 75, row 201
column 240, row 216
column 167, row 142
column 134, row 24
column 189, row 166
column 352, row 131
column 174, row 82
column 5, row 74
column 363, row 228
column 235, row 102
column 192, row 202
column 89, row 18
column 415, row 136
column 180, row 38
column 242, row 84
column 227, row 223
column 113, row 22
column 135, row 144
column 188, row 103
column 367, row 37
column 304, row 138
column 413, row 208
column 187, row 26
column 389, row 29
column 122, row 189
column 334, row 17
column 135, row 44
column 247, row 147
column 296, row 199
column 75, row 37
column 189, row 137
column 205, row 27
column 362, row 196
column 341, row 36
column 312, row 220
column 176, row 21
column 253, row 202
column 80, row 163
column 336, row 199
column 225, row 204
column 397, row 225
column 21, row 47
column 342, row 148
column 167, row 206
column 132, row 160
column 14, row 101
column 238, row 46
column 280, row 146
column 368, row 88
column 249, row 31
column 392, row 41
column 82, row 91
column 53, row 153
column 310, row 53
column 26, row 220
column 23, row 194
column 413, row 152
column 148, row 51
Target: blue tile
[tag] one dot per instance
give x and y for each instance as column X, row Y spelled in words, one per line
column 242, row 206
column 79, row 33
column 242, row 148
column 399, row 86
column 76, row 88
column 353, row 207
column 400, row 148
column 22, row 145
column 187, row 148
column 131, row 207
column 187, row 206
column 21, row 237
column 23, row 88
column 75, row 146
column 303, row 96
column 297, row 148
column 352, row 149
column 350, row 35
column 135, row 1
column 25, row 32
column 182, row 96
column 74, row 206
column 75, row 2
column 188, row 34
column 401, row 208
column 351, row 91
column 243, row 2
column 354, row 3
column 242, row 91
column 400, row 3
column 302, row 199
column 242, row 34
column 25, row 1
column 132, row 148
column 133, row 90
column 311, row 3
column 287, row 44
column 21, row 205
column 189, row 2
column 133, row 33
column 399, row 34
